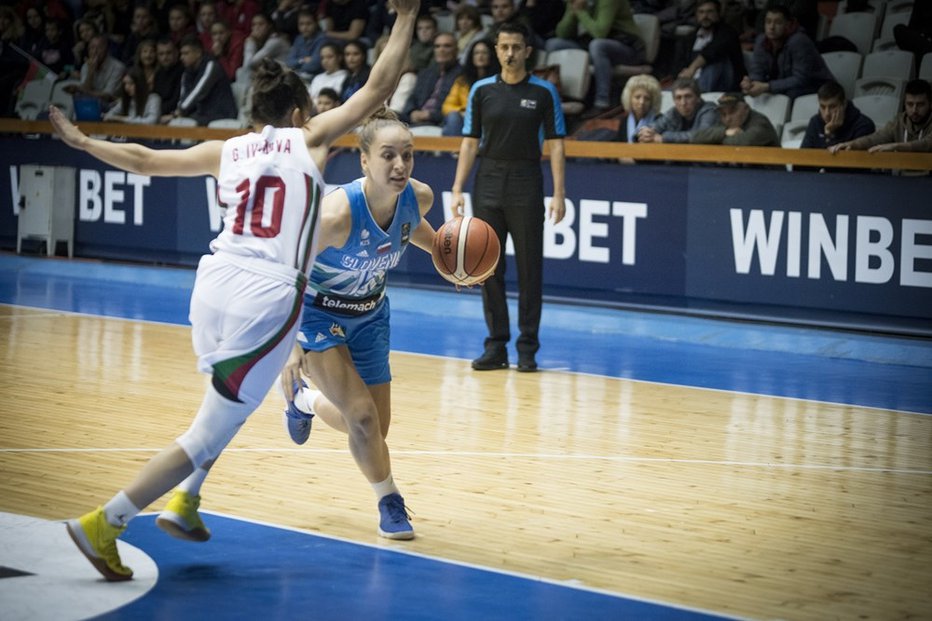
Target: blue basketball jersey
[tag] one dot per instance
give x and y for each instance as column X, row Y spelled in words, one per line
column 357, row 270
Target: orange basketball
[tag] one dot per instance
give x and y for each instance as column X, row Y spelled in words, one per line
column 465, row 250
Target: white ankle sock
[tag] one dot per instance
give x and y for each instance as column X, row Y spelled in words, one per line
column 385, row 488
column 120, row 509
column 193, row 483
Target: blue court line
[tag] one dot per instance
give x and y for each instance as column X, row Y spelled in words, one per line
column 250, row 570
column 807, row 363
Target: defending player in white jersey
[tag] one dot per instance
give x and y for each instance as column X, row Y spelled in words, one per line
column 344, row 338
column 246, row 303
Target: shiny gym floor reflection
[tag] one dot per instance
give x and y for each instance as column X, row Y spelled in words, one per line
column 659, row 467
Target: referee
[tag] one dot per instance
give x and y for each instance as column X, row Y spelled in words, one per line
column 506, row 117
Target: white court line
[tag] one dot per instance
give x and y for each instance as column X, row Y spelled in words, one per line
column 500, row 455
column 386, row 546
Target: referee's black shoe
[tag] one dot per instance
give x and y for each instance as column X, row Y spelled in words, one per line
column 492, row 359
column 526, row 363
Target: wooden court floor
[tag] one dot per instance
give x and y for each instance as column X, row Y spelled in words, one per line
column 751, row 506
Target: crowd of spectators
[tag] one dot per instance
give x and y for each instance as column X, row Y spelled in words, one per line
column 158, row 60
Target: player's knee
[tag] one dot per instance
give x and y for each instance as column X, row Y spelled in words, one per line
column 362, row 421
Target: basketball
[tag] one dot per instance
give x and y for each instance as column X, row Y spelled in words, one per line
column 465, row 251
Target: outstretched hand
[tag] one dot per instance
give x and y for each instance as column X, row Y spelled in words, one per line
column 69, row 133
column 405, row 6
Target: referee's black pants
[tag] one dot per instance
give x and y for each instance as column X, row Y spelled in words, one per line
column 509, row 195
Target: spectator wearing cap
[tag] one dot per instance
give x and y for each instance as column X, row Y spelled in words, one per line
column 838, row 120
column 738, row 125
column 785, row 61
column 689, row 114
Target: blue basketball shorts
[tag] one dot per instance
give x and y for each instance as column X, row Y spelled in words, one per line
column 366, row 336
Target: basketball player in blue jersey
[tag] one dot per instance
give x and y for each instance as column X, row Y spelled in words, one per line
column 246, row 303
column 343, row 344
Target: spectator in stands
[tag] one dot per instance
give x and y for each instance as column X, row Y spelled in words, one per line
column 542, row 15
column 712, row 54
column 146, row 62
column 344, row 20
column 481, row 62
column 838, row 120
column 33, row 31
column 205, row 89
column 13, row 65
column 136, row 103
column 916, row 35
column 421, row 53
column 327, row 99
column 433, row 84
column 84, row 31
column 785, row 60
column 206, row 16
column 142, row 27
column 227, row 46
column 504, row 11
column 612, row 38
column 641, row 101
column 285, row 17
column 304, row 57
column 55, row 49
column 263, row 42
column 689, row 114
column 331, row 60
column 357, row 68
column 738, row 125
column 100, row 74
column 911, row 130
column 121, row 22
column 168, row 77
column 180, row 23
column 238, row 14
column 468, row 30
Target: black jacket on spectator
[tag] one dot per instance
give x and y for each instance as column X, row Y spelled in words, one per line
column 424, row 87
column 206, row 94
column 724, row 47
column 856, row 125
column 167, row 85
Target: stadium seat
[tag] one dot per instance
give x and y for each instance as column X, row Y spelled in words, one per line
column 846, row 67
column 897, row 12
column 666, row 100
column 426, row 130
column 712, row 96
column 793, row 133
column 880, row 108
column 889, row 64
column 925, row 67
column 804, row 107
column 775, row 107
column 34, row 99
column 876, row 85
column 226, row 124
column 649, row 27
column 574, row 77
column 856, row 27
column 882, row 45
column 62, row 100
column 446, row 22
column 183, row 121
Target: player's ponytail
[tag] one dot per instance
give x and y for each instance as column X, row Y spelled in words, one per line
column 276, row 91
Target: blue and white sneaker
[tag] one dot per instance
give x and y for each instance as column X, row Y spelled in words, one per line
column 297, row 421
column 394, row 522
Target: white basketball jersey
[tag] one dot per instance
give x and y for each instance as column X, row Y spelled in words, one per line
column 271, row 190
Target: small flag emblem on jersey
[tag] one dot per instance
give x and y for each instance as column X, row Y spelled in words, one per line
column 383, row 248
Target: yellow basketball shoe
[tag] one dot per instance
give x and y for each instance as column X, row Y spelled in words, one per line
column 180, row 517
column 96, row 538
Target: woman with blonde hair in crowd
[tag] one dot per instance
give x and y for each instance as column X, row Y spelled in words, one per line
column 641, row 101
